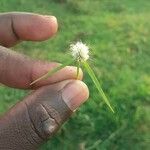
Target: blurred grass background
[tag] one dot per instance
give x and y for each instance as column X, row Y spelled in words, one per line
column 118, row 33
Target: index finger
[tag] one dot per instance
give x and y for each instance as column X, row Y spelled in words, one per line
column 18, row 71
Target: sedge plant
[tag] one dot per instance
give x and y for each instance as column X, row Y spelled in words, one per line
column 80, row 53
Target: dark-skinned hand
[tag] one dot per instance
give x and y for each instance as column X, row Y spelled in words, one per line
column 39, row 115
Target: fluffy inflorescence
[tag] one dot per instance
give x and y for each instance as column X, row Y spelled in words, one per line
column 80, row 51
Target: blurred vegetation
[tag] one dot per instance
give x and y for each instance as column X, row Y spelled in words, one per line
column 118, row 33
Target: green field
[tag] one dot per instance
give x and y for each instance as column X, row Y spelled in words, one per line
column 118, row 33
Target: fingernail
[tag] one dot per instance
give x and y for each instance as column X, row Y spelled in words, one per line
column 53, row 24
column 74, row 94
column 50, row 17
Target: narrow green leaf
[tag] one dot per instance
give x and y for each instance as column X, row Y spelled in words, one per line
column 51, row 72
column 97, row 84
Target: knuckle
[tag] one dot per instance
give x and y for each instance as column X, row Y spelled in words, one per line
column 47, row 112
column 42, row 122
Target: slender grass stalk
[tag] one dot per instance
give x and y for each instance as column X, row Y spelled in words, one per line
column 80, row 52
column 97, row 84
column 78, row 68
column 51, row 72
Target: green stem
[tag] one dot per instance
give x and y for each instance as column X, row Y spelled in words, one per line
column 78, row 68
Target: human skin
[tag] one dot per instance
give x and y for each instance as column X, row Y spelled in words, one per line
column 38, row 116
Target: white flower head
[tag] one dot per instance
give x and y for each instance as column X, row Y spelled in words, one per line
column 80, row 51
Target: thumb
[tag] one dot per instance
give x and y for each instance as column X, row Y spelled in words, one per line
column 37, row 118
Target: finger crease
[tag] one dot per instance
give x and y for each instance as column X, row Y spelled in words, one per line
column 33, row 125
column 13, row 29
column 44, row 107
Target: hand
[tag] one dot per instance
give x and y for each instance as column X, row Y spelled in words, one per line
column 38, row 116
